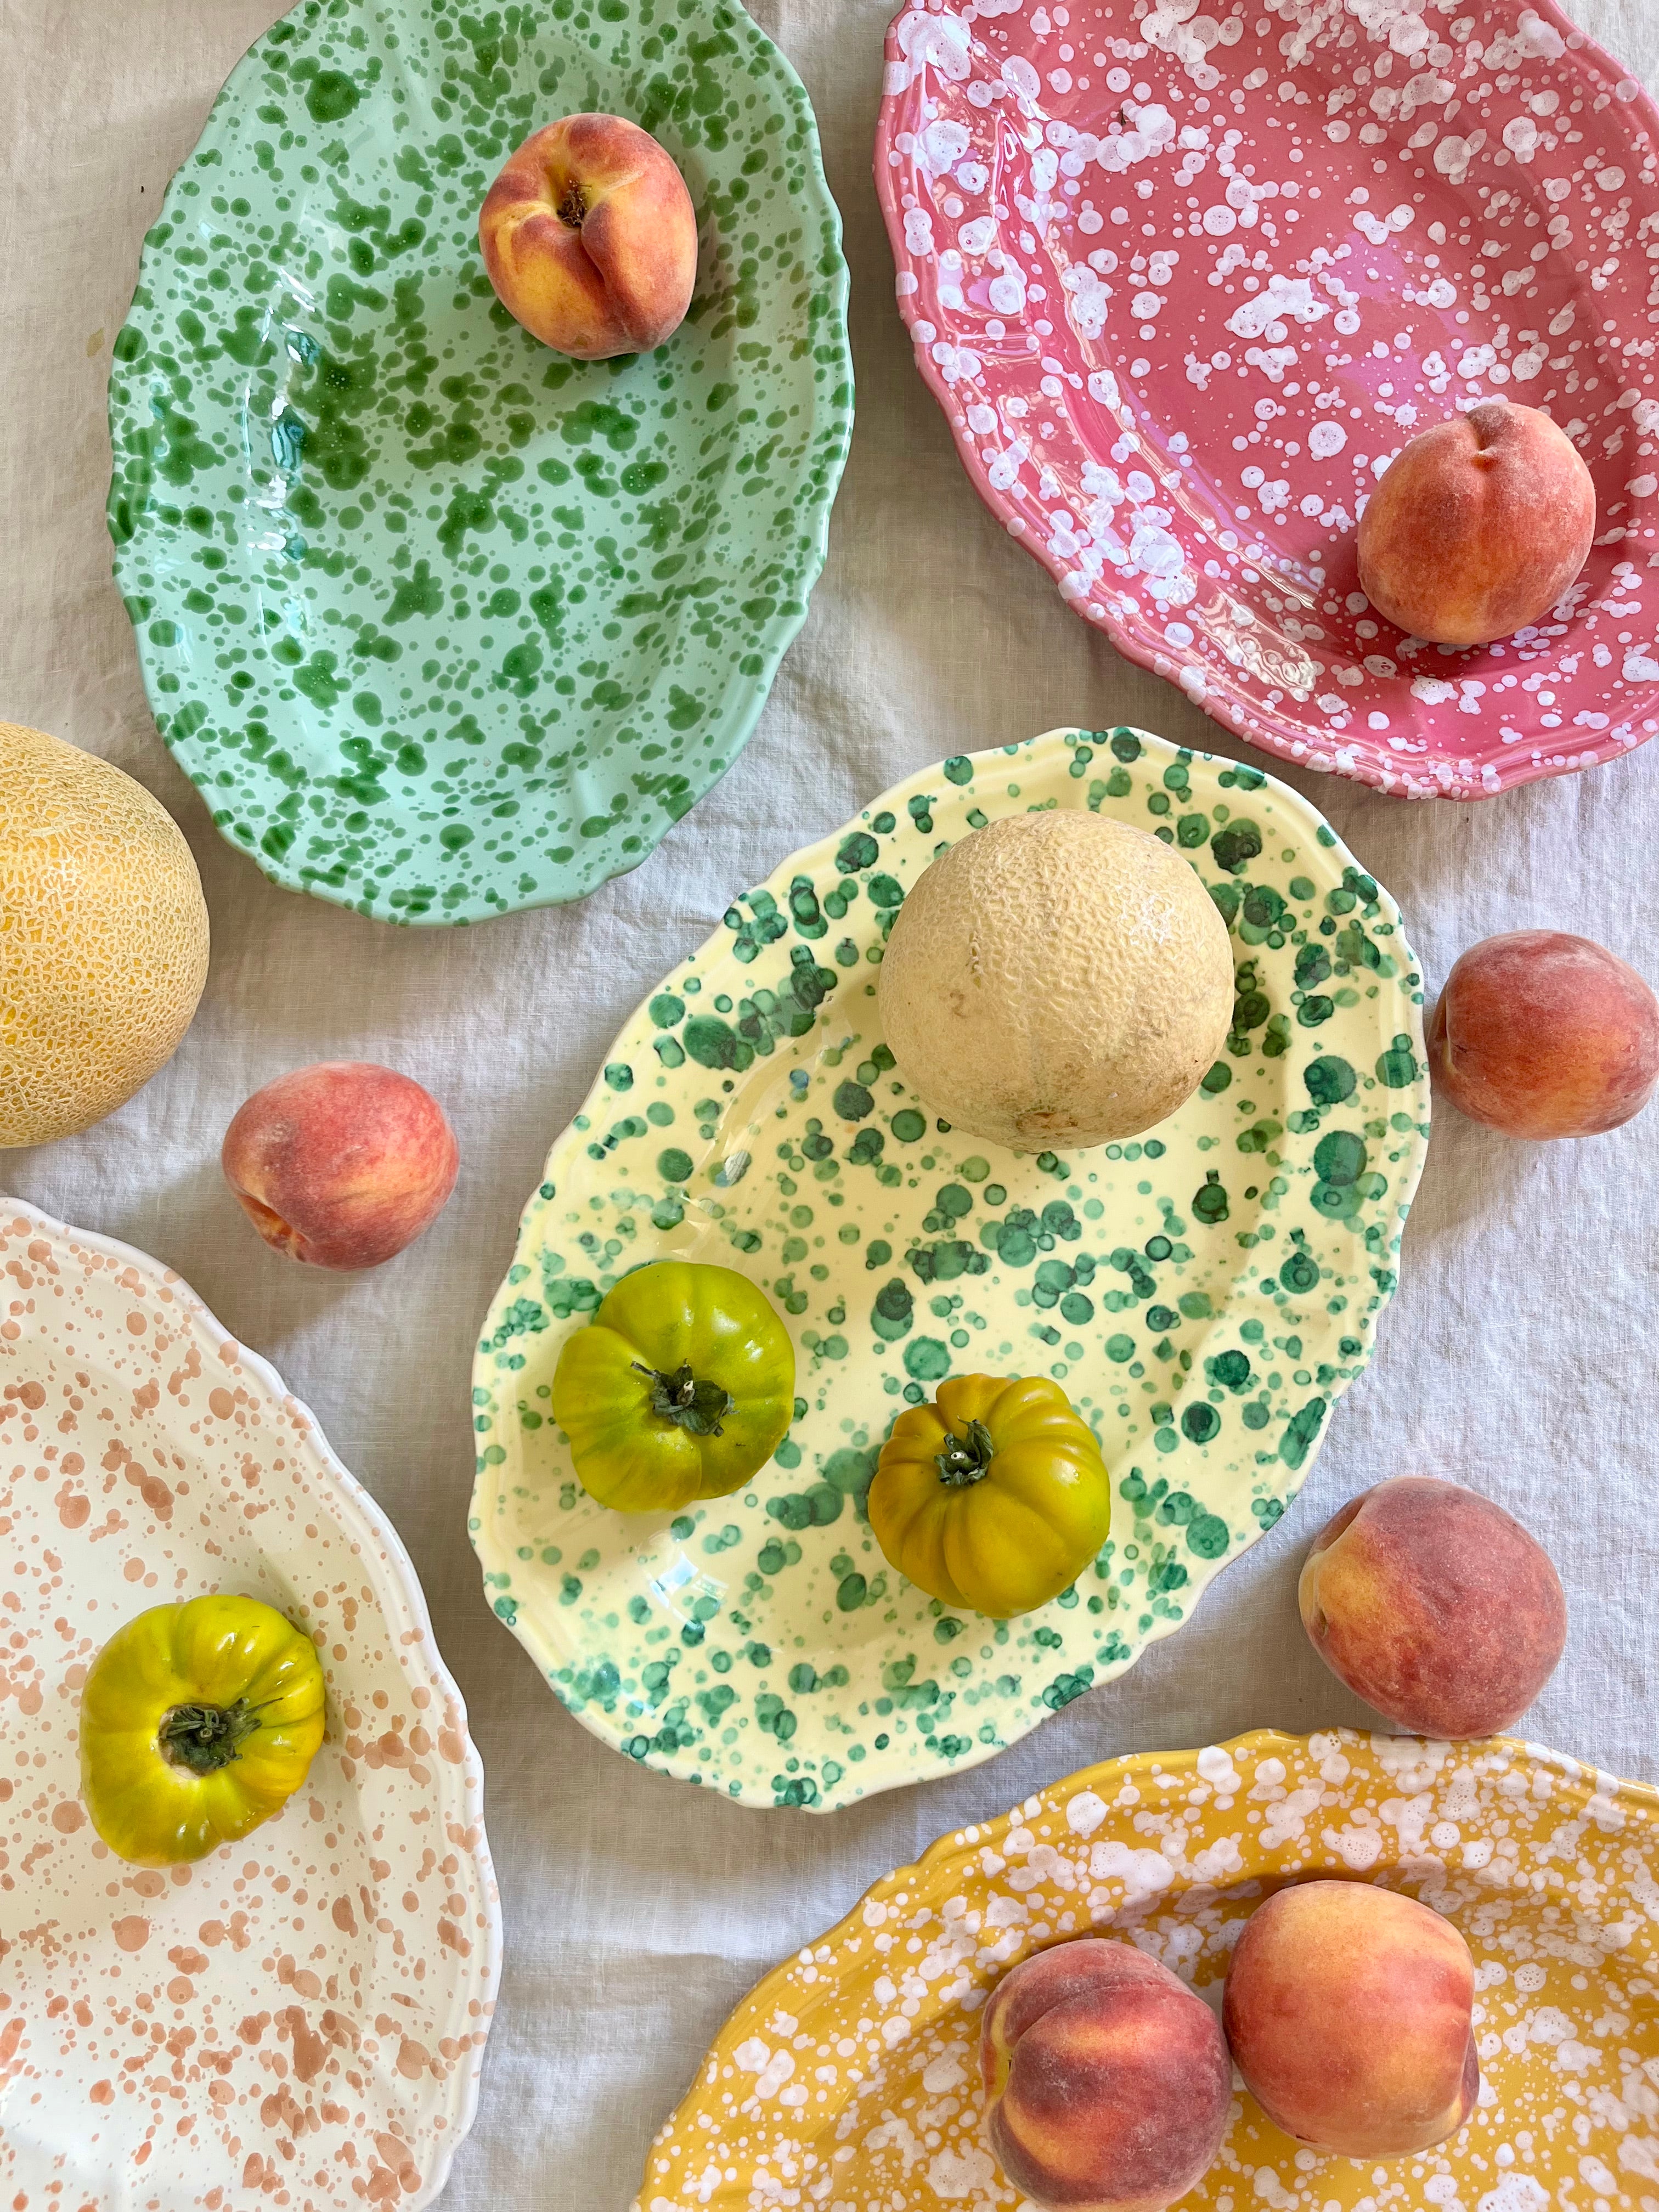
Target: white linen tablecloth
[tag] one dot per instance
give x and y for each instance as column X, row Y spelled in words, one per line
column 1519, row 1355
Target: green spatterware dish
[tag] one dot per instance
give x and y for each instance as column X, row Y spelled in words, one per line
column 1203, row 1295
column 443, row 624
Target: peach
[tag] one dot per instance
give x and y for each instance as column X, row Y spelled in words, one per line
column 1435, row 1606
column 590, row 239
column 341, row 1165
column 1349, row 2012
column 1479, row 526
column 1541, row 1035
column 1108, row 2081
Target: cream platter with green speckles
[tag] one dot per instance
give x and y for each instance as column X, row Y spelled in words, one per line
column 443, row 624
column 1204, row 1295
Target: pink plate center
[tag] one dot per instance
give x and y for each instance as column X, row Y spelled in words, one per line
column 1186, row 282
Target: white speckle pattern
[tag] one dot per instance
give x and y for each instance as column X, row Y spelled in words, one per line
column 299, row 2019
column 1331, row 224
column 1547, row 1868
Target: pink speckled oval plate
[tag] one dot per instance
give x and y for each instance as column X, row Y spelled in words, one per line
column 1185, row 282
column 301, row 2017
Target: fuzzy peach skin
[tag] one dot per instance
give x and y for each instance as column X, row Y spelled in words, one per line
column 1541, row 1035
column 1435, row 1606
column 1348, row 2010
column 590, row 239
column 341, row 1165
column 1108, row 2083
column 1479, row 526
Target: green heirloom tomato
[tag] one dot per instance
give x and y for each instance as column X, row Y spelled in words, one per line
column 198, row 1722
column 682, row 1385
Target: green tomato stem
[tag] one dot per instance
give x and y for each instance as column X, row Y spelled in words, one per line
column 205, row 1738
column 697, row 1407
column 966, row 1459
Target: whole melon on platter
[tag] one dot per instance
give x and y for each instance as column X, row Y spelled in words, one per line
column 103, row 937
column 1057, row 979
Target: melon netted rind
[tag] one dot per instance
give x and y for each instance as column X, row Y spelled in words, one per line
column 103, row 938
column 1057, row 979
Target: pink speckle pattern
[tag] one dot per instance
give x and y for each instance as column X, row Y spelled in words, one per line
column 299, row 2019
column 1187, row 275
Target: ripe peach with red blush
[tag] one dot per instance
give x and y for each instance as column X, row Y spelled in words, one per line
column 1349, row 2011
column 1479, row 526
column 590, row 238
column 1435, row 1606
column 1108, row 2083
column 1540, row 1034
column 341, row 1165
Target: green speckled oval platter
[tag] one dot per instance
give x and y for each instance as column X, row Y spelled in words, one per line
column 1204, row 1295
column 441, row 623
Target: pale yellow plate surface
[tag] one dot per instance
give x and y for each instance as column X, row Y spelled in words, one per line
column 846, row 2081
column 1205, row 1294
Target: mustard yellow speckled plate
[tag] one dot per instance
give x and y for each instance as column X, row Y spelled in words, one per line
column 846, row 2082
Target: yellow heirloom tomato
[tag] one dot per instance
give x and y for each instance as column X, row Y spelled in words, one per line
column 994, row 1497
column 198, row 1722
column 681, row 1386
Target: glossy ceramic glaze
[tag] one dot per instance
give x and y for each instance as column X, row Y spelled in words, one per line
column 303, row 2012
column 1202, row 1295
column 849, row 2076
column 441, row 623
column 1184, row 284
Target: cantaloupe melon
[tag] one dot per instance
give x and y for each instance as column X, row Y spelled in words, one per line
column 103, row 937
column 1056, row 980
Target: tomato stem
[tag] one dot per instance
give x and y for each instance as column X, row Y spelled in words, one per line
column 966, row 1459
column 697, row 1407
column 205, row 1738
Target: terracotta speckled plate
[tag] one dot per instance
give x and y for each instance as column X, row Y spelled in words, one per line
column 1186, row 275
column 300, row 2018
column 847, row 2080
column 1204, row 1294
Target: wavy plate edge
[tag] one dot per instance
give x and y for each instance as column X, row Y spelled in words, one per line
column 543, row 1649
column 415, row 1620
column 1147, row 655
column 1642, row 1797
column 783, row 629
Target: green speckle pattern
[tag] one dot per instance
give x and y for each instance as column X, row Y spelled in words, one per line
column 1204, row 1294
column 441, row 623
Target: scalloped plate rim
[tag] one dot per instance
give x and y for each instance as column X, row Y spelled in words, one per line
column 781, row 629
column 525, row 1625
column 954, row 1844
column 403, row 1581
column 949, row 1845
column 1146, row 655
